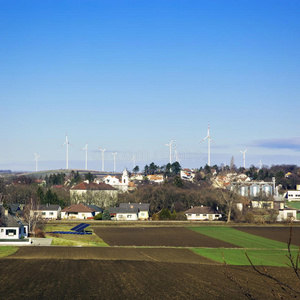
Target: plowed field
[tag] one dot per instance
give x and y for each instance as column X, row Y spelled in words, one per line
column 115, row 253
column 157, row 237
column 280, row 234
column 96, row 279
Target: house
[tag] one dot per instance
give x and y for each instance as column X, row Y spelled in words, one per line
column 287, row 214
column 293, row 195
column 100, row 194
column 123, row 213
column 48, row 211
column 121, row 184
column 201, row 213
column 143, row 209
column 130, row 212
column 156, row 178
column 97, row 209
column 268, row 203
column 11, row 227
column 187, row 174
column 77, row 211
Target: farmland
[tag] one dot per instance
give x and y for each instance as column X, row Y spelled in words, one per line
column 151, row 263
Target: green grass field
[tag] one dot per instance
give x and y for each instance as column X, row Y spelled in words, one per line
column 72, row 239
column 237, row 256
column 7, row 250
column 239, row 238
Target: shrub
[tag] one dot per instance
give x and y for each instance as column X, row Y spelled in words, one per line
column 164, row 214
column 98, row 216
column 106, row 215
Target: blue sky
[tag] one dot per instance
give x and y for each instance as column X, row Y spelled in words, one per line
column 130, row 76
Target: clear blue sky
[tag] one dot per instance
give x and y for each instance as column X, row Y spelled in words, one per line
column 131, row 75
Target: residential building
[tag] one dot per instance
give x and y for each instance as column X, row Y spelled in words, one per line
column 287, row 214
column 121, row 184
column 11, row 227
column 77, row 211
column 143, row 209
column 202, row 213
column 48, row 211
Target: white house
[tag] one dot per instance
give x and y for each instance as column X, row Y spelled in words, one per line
column 48, row 211
column 11, row 227
column 202, row 213
column 77, row 211
column 118, row 183
column 123, row 213
column 293, row 195
column 187, row 174
column 143, row 209
column 156, row 178
column 287, row 214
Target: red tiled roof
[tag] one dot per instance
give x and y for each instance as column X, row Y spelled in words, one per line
column 92, row 186
column 77, row 208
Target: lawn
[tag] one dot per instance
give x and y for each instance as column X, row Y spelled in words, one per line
column 72, row 239
column 239, row 238
column 237, row 256
column 7, row 250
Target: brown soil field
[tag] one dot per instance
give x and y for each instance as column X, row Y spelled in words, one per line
column 111, row 253
column 157, row 237
column 96, row 279
column 280, row 234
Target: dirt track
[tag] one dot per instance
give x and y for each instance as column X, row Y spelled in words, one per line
column 157, row 237
column 280, row 234
column 96, row 279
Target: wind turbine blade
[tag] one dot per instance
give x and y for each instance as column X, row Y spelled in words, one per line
column 204, row 139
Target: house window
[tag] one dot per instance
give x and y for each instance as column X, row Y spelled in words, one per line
column 129, row 216
column 11, row 231
column 189, row 215
column 2, row 230
column 197, row 215
column 36, row 213
column 216, row 216
column 44, row 213
column 289, row 215
column 204, row 215
column 51, row 213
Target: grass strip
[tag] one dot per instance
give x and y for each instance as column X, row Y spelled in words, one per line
column 275, row 258
column 7, row 250
column 239, row 238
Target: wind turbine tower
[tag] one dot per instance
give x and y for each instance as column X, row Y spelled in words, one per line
column 208, row 137
column 36, row 161
column 86, row 151
column 102, row 154
column 67, row 143
column 244, row 157
column 170, row 145
column 114, row 154
column 133, row 161
column 176, row 156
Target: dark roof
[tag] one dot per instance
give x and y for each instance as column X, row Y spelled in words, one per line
column 77, row 208
column 8, row 220
column 139, row 206
column 122, row 210
column 201, row 210
column 47, row 207
column 95, row 208
column 14, row 208
column 93, row 186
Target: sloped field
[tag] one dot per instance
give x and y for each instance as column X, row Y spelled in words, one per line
column 157, row 237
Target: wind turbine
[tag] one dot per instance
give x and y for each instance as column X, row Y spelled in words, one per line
column 67, row 143
column 36, row 161
column 114, row 154
column 102, row 154
column 260, row 164
column 170, row 145
column 176, row 156
column 133, row 161
column 86, row 149
column 244, row 157
column 208, row 137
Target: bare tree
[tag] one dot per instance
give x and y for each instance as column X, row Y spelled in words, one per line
column 31, row 215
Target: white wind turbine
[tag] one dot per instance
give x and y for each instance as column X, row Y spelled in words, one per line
column 36, row 158
column 244, row 157
column 133, row 161
column 176, row 156
column 208, row 137
column 170, row 145
column 102, row 154
column 67, row 143
column 86, row 152
column 114, row 154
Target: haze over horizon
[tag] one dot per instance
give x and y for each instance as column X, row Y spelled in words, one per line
column 129, row 76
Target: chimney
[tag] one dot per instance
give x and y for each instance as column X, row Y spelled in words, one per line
column 6, row 212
